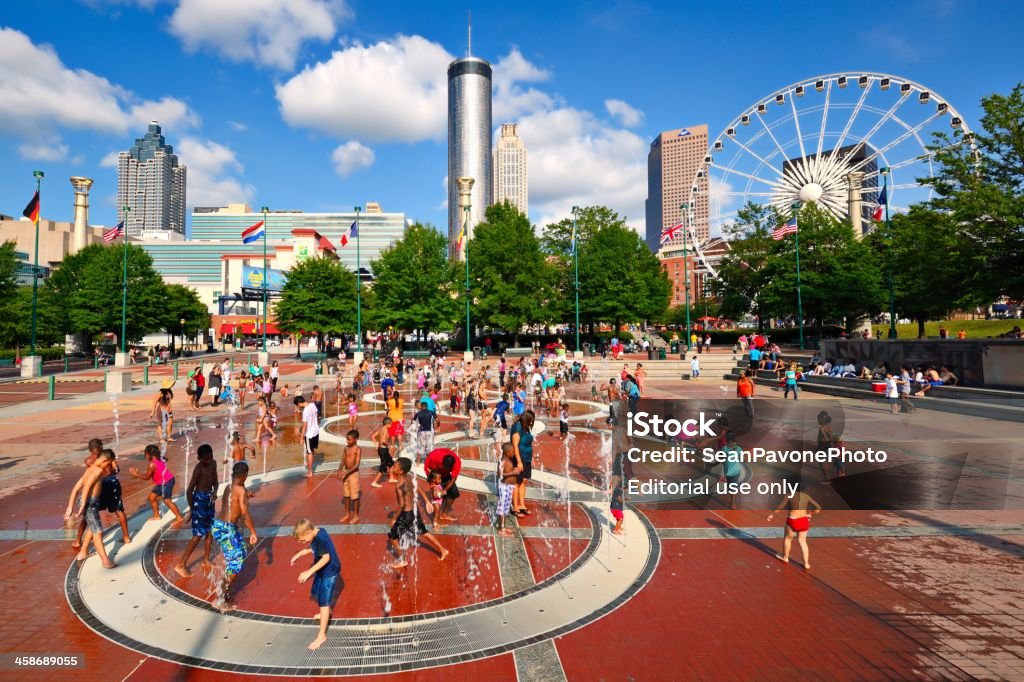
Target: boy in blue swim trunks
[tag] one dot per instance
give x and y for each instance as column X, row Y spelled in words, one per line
column 201, row 491
column 325, row 571
column 234, row 507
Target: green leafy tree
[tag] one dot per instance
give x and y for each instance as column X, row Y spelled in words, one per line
column 318, row 299
column 512, row 283
column 88, row 286
column 16, row 326
column 556, row 243
column 183, row 304
column 413, row 286
column 927, row 287
column 620, row 279
column 744, row 270
column 984, row 193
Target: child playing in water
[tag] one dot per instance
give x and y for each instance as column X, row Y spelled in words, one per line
column 381, row 437
column 88, row 488
column 436, row 496
column 239, row 447
column 508, row 470
column 348, row 472
column 353, row 411
column 163, row 483
column 110, row 493
column 202, row 489
column 563, row 421
column 325, row 571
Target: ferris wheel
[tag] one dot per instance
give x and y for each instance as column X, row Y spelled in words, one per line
column 812, row 140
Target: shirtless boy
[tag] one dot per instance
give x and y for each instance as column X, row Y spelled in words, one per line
column 201, row 492
column 234, row 507
column 110, row 494
column 382, row 438
column 408, row 524
column 349, row 475
column 239, row 447
column 89, row 487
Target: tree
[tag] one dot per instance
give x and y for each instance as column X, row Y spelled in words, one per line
column 984, row 193
column 556, row 243
column 183, row 304
column 413, row 286
column 744, row 271
column 934, row 264
column 319, row 298
column 620, row 279
column 511, row 280
column 16, row 326
column 88, row 286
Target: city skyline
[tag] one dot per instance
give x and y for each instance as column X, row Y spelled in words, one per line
column 151, row 186
column 251, row 120
column 511, row 169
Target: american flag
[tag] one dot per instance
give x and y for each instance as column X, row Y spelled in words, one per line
column 113, row 233
column 781, row 231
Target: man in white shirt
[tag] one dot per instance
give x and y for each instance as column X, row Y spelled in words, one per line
column 310, row 430
column 694, row 368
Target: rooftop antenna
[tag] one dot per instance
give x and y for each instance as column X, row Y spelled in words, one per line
column 469, row 43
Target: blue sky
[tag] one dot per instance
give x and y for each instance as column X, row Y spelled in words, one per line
column 320, row 105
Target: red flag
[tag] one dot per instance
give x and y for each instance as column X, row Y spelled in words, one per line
column 32, row 210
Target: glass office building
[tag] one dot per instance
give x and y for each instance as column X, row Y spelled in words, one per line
column 469, row 140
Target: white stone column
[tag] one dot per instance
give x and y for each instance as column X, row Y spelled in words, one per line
column 81, row 186
column 854, row 182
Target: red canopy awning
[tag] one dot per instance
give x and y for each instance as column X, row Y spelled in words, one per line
column 325, row 243
column 227, row 329
column 247, row 328
column 272, row 328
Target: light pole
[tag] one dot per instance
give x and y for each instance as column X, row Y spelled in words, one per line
column 124, row 283
column 884, row 172
column 264, row 210
column 465, row 233
column 686, row 272
column 358, row 283
column 38, row 175
column 576, row 259
column 799, row 298
column 182, row 351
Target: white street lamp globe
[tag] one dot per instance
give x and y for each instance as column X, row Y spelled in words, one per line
column 810, row 192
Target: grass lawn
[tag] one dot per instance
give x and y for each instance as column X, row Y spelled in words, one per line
column 976, row 329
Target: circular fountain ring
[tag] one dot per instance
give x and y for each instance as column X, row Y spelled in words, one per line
column 119, row 604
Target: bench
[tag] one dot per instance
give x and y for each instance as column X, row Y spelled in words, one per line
column 417, row 354
column 6, row 362
column 518, row 352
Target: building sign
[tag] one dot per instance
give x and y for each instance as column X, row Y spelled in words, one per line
column 252, row 278
column 302, row 253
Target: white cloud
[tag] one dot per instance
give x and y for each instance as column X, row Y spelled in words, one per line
column 350, row 157
column 626, row 115
column 46, row 149
column 41, row 94
column 237, row 127
column 267, row 32
column 511, row 100
column 115, row 4
column 109, row 160
column 211, row 170
column 169, row 112
column 393, row 90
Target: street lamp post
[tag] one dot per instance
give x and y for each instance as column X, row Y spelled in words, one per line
column 359, row 286
column 182, row 351
column 38, row 175
column 884, row 172
column 264, row 210
column 465, row 232
column 799, row 297
column 686, row 272
column 576, row 260
column 124, row 283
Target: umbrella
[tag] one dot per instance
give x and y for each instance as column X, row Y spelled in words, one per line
column 707, row 319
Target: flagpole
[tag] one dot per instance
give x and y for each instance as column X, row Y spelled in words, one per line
column 124, row 283
column 465, row 235
column 799, row 297
column 35, row 265
column 686, row 272
column 884, row 172
column 359, row 284
column 264, row 211
column 576, row 258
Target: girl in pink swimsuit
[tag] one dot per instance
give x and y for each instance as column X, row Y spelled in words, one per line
column 163, row 483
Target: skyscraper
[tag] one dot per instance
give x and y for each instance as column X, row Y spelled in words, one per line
column 672, row 164
column 510, row 169
column 151, row 182
column 469, row 140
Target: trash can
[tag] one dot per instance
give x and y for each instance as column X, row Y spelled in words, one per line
column 675, row 347
column 587, row 351
column 651, row 354
column 661, row 353
column 376, row 355
column 318, row 367
column 483, row 352
column 476, row 352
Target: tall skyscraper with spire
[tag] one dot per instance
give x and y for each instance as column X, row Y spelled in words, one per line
column 510, row 169
column 469, row 139
column 151, row 183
